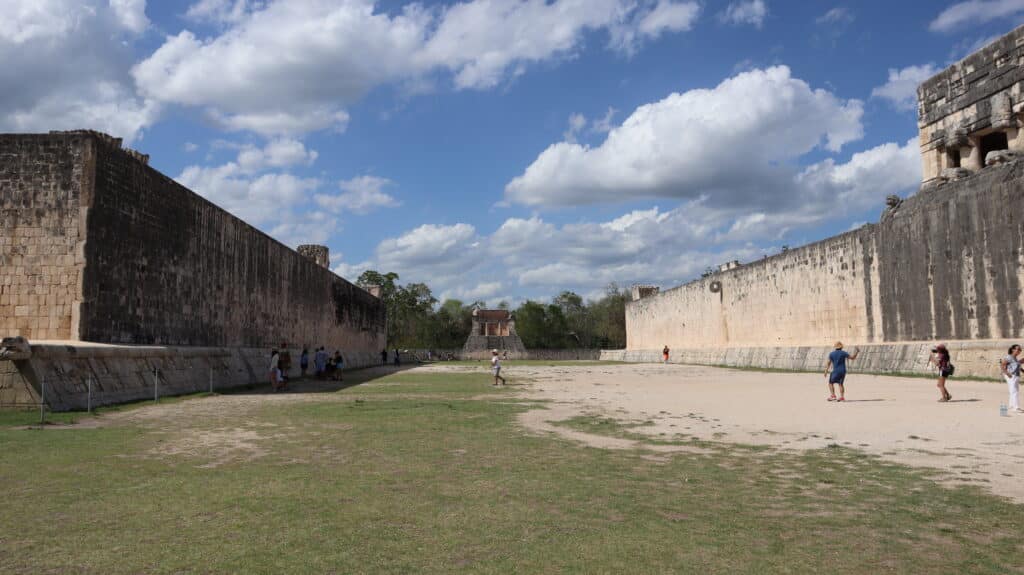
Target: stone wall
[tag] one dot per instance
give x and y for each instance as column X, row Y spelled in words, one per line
column 976, row 97
column 946, row 264
column 98, row 246
column 15, row 390
column 979, row 359
column 44, row 192
column 123, row 373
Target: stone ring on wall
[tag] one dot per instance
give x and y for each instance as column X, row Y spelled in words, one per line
column 715, row 287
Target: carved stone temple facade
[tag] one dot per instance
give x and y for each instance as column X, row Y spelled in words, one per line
column 493, row 329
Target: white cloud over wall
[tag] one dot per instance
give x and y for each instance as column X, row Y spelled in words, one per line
column 963, row 14
column 246, row 77
column 69, row 62
column 731, row 143
column 901, row 87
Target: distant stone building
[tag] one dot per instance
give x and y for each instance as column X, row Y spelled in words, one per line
column 493, row 329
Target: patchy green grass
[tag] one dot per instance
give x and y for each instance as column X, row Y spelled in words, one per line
column 429, row 473
column 31, row 416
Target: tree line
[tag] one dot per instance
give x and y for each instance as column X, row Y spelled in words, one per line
column 415, row 320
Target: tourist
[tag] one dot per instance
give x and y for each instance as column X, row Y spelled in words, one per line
column 1011, row 373
column 320, row 361
column 304, row 361
column 837, row 365
column 383, row 357
column 398, row 359
column 940, row 359
column 496, row 367
column 664, row 354
column 339, row 364
column 286, row 362
column 275, row 370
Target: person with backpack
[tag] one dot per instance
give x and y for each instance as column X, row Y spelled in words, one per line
column 940, row 359
column 837, row 366
column 1010, row 366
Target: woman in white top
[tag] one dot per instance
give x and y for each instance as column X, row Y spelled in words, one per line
column 496, row 367
column 1011, row 373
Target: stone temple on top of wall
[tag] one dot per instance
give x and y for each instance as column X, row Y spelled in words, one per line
column 117, row 282
column 946, row 264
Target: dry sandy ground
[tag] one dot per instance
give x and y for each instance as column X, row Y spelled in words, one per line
column 899, row 419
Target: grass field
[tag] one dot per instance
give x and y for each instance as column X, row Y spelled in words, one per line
column 429, row 472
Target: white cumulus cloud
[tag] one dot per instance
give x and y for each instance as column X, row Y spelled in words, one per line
column 286, row 68
column 752, row 12
column 66, row 66
column 901, row 88
column 360, row 195
column 975, row 12
column 732, row 143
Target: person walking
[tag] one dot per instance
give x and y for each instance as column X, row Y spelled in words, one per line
column 304, row 361
column 275, row 371
column 496, row 367
column 664, row 355
column 398, row 359
column 285, row 362
column 837, row 366
column 940, row 359
column 339, row 364
column 384, row 357
column 1011, row 373
column 320, row 361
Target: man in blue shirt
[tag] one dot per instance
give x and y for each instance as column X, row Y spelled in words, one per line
column 837, row 365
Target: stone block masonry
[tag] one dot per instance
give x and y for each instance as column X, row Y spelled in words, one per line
column 946, row 264
column 97, row 246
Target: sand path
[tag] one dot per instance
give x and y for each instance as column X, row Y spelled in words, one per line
column 896, row 418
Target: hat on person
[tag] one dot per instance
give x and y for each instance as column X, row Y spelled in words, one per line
column 938, row 347
column 839, row 345
column 494, row 351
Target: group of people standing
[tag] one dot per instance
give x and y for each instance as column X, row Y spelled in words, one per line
column 836, row 370
column 1009, row 366
column 325, row 366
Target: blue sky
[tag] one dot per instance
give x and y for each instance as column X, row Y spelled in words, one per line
column 507, row 149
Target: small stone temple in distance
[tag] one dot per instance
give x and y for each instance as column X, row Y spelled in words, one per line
column 493, row 329
column 115, row 279
column 946, row 264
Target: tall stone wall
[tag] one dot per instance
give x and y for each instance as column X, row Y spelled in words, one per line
column 947, row 263
column 98, row 246
column 44, row 190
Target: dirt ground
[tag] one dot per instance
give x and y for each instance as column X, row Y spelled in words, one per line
column 896, row 418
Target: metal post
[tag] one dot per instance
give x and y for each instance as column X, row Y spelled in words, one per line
column 42, row 402
column 156, row 384
column 88, row 401
column 211, row 379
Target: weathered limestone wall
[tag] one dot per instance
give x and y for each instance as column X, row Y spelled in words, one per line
column 14, row 389
column 803, row 297
column 947, row 264
column 95, row 245
column 123, row 373
column 165, row 266
column 971, row 358
column 44, row 191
